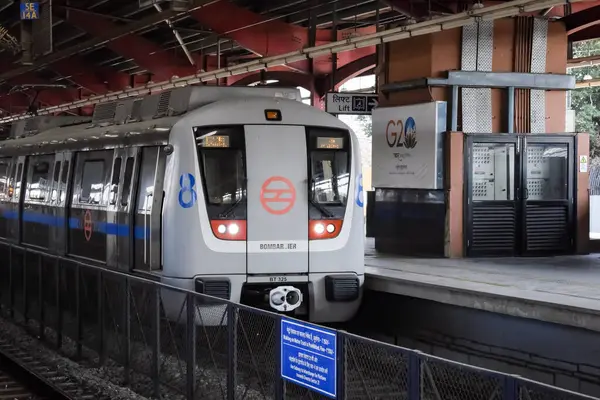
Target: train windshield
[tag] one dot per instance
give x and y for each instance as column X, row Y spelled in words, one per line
column 221, row 152
column 329, row 166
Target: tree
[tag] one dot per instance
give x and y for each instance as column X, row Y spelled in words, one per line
column 366, row 123
column 586, row 101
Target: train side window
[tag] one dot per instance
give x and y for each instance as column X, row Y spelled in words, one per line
column 92, row 182
column 114, row 185
column 4, row 179
column 146, row 181
column 63, row 182
column 127, row 181
column 18, row 180
column 55, row 181
column 37, row 179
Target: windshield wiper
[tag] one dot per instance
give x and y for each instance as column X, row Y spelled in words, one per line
column 231, row 208
column 322, row 210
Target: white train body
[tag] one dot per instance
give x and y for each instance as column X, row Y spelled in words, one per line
column 261, row 200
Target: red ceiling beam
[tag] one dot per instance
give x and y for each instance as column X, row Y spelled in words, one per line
column 93, row 78
column 141, row 50
column 416, row 9
column 578, row 24
column 271, row 37
column 348, row 71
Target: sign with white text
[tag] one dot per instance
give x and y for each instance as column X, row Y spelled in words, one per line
column 308, row 356
column 351, row 103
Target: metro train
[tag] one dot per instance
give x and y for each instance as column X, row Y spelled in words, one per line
column 240, row 193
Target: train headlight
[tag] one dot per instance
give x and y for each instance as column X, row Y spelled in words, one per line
column 234, row 229
column 319, row 229
column 222, row 229
column 285, row 298
column 330, row 228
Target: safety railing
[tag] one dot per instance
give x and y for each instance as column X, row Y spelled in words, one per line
column 166, row 342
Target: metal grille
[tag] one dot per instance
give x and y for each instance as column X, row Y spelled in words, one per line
column 163, row 104
column 547, row 228
column 539, row 43
column 494, row 229
column 104, row 112
column 477, row 51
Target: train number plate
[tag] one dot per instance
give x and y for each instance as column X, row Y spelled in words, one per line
column 278, row 279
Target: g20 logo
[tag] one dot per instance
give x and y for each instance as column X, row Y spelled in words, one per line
column 401, row 134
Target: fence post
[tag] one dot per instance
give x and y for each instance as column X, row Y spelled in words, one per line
column 156, row 341
column 25, row 302
column 59, row 311
column 279, row 383
column 511, row 388
column 100, row 305
column 11, row 285
column 191, row 345
column 41, row 299
column 231, row 350
column 414, row 376
column 127, row 331
column 341, row 365
column 79, row 310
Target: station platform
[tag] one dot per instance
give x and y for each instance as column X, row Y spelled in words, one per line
column 561, row 290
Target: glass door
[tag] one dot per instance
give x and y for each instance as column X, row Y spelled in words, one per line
column 548, row 195
column 492, row 194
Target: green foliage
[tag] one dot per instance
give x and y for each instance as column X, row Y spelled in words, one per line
column 586, row 101
column 366, row 123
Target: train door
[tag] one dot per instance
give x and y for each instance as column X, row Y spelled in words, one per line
column 37, row 218
column 277, row 199
column 58, row 202
column 14, row 205
column 87, row 214
column 119, row 218
column 148, row 209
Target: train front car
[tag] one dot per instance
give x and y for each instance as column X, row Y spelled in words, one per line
column 263, row 206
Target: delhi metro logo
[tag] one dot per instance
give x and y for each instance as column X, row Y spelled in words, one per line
column 87, row 225
column 277, row 195
column 401, row 134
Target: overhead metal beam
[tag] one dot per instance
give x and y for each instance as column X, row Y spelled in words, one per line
column 480, row 79
column 105, row 38
column 502, row 10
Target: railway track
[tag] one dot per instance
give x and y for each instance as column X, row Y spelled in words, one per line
column 23, row 377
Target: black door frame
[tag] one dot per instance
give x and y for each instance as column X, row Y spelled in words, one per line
column 569, row 202
column 520, row 184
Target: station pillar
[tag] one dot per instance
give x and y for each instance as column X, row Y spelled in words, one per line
column 521, row 51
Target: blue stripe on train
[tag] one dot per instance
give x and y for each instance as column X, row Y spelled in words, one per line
column 108, row 228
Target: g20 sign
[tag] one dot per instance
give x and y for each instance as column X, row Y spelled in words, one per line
column 400, row 133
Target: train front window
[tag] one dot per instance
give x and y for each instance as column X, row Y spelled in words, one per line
column 221, row 154
column 329, row 166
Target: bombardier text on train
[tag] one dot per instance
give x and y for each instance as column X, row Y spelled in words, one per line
column 240, row 193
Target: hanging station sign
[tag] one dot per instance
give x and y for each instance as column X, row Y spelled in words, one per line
column 408, row 146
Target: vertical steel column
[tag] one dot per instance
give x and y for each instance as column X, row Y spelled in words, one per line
column 340, row 348
column 414, row 376
column 79, row 335
column 11, row 285
column 100, row 305
column 59, row 311
column 25, row 290
column 279, row 382
column 41, row 299
column 453, row 121
column 127, row 332
column 191, row 345
column 511, row 110
column 510, row 389
column 156, row 342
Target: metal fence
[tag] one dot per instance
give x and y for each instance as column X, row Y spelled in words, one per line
column 166, row 342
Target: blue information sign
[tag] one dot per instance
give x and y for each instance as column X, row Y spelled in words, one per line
column 30, row 10
column 308, row 356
